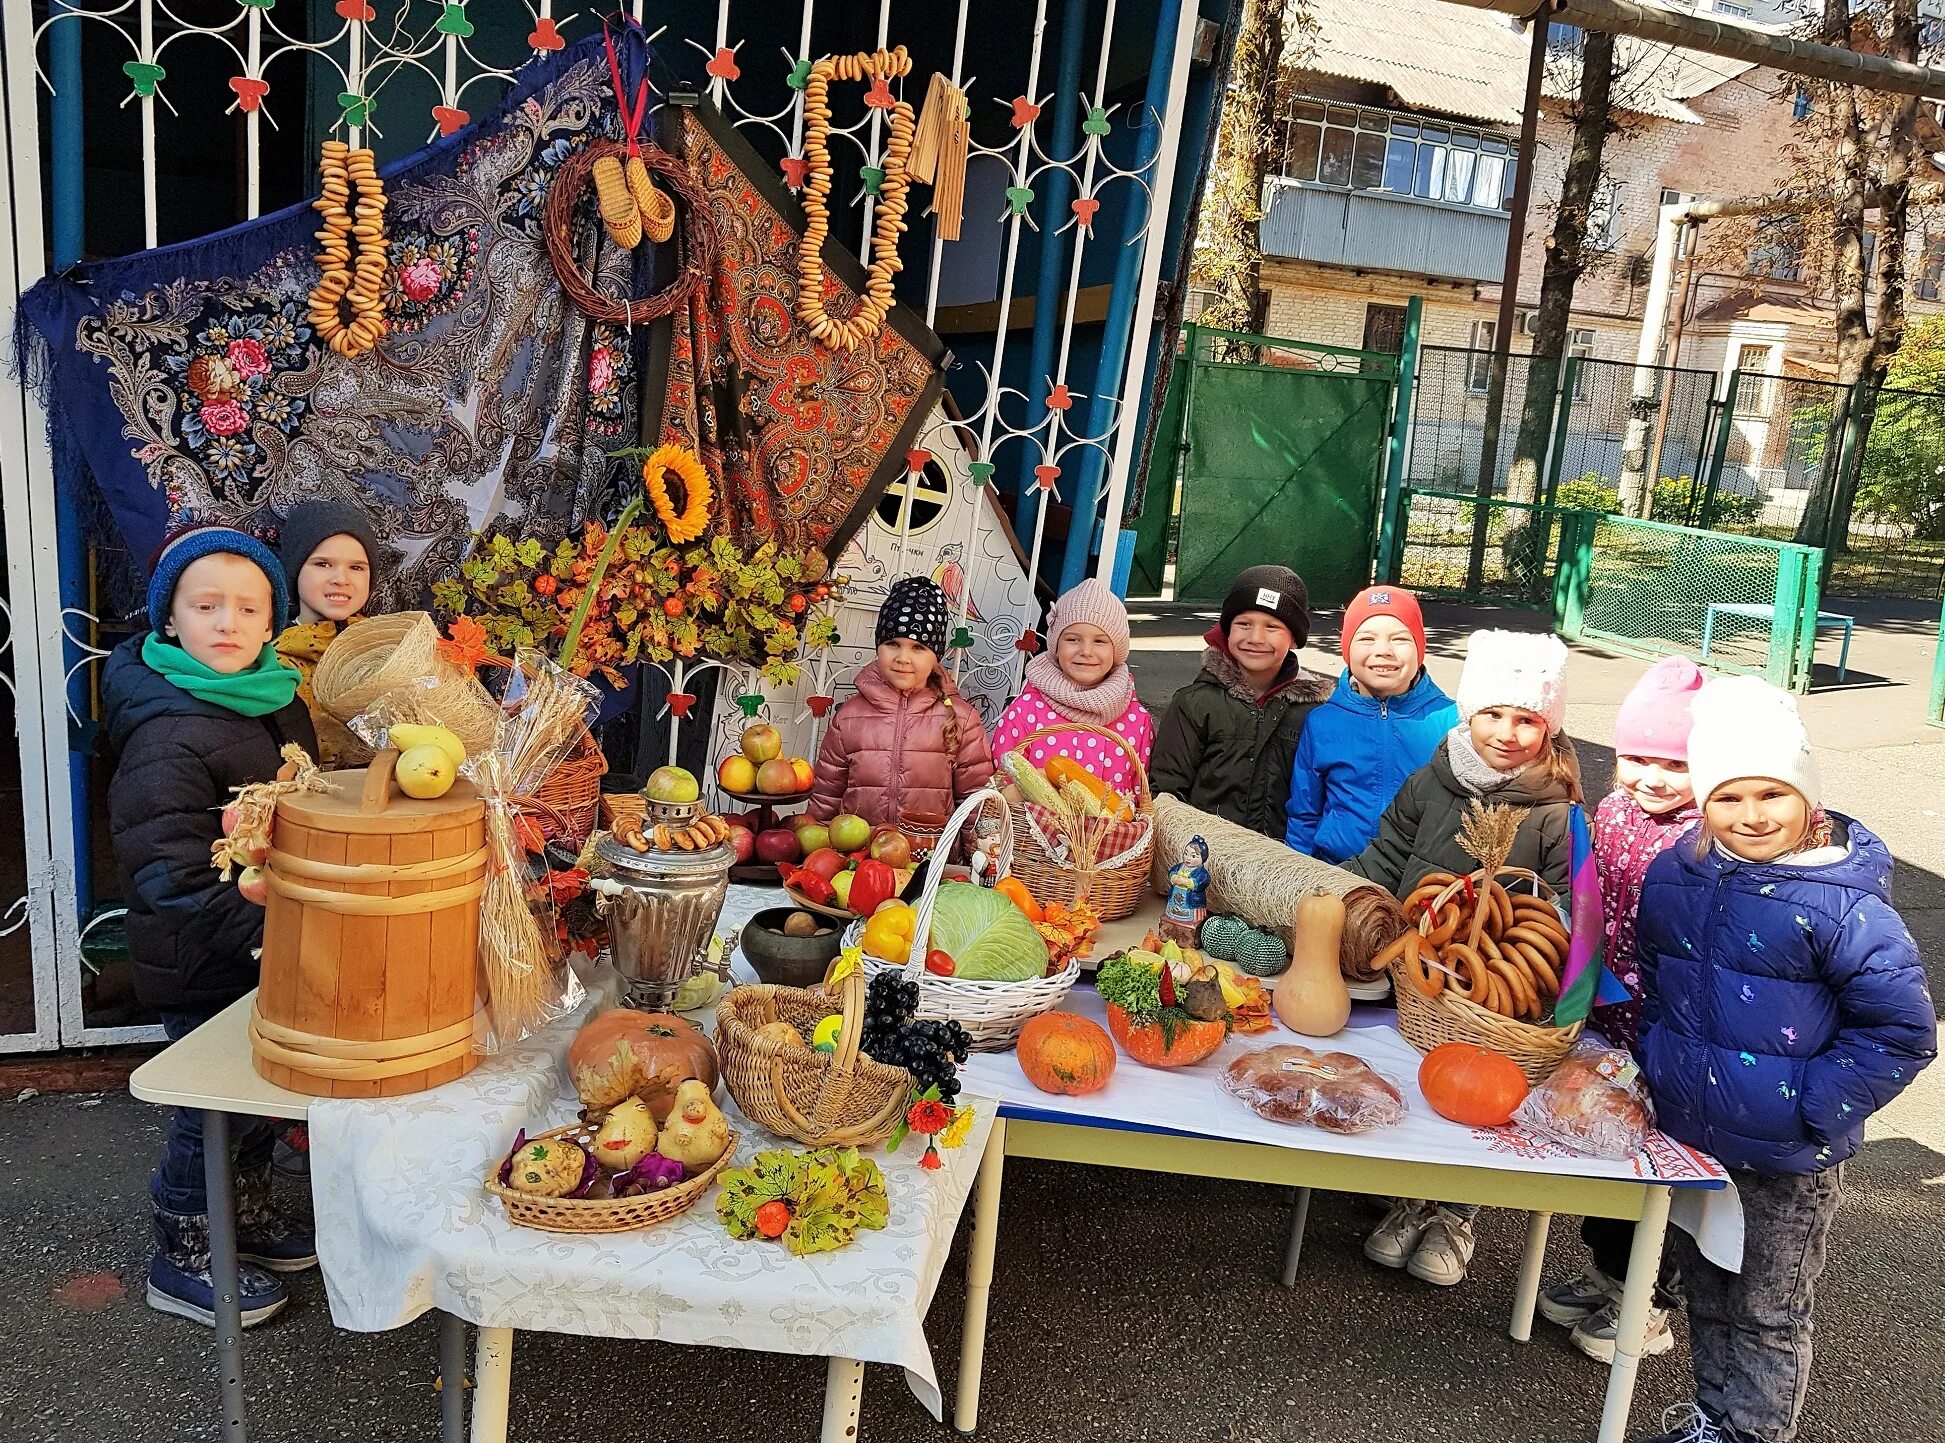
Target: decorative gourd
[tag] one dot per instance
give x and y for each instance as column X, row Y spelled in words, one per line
column 1221, row 934
column 1472, row 1085
column 1311, row 997
column 1261, row 954
column 1065, row 1054
column 1152, row 1045
column 625, row 1053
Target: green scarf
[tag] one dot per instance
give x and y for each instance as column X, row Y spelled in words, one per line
column 266, row 686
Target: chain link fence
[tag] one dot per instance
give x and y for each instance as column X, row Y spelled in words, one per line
column 1440, row 531
column 1896, row 541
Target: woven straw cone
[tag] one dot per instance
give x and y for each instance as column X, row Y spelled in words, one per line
column 1112, row 891
column 604, row 1215
column 1427, row 1022
column 842, row 1099
column 398, row 656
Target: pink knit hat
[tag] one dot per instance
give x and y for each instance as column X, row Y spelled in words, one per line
column 1654, row 720
column 1093, row 603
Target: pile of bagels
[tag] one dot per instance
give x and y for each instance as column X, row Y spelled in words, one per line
column 1475, row 940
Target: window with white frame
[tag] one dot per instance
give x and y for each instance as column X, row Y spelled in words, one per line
column 1479, row 365
column 1357, row 148
column 1604, row 215
column 1580, row 345
column 1756, row 390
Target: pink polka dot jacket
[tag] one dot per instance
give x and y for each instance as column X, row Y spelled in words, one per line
column 1031, row 710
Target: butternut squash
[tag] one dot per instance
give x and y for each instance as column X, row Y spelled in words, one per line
column 1311, row 998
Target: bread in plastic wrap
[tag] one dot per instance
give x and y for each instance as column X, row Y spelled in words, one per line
column 1595, row 1102
column 1331, row 1090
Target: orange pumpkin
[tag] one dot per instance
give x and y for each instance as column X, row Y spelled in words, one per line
column 1150, row 1046
column 1471, row 1085
column 625, row 1053
column 1069, row 1055
column 1015, row 891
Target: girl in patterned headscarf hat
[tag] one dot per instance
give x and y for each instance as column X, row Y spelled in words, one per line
column 907, row 742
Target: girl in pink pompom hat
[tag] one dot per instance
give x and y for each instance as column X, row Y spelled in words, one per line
column 1082, row 677
column 1652, row 804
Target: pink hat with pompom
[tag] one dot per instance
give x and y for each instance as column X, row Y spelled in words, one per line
column 1654, row 720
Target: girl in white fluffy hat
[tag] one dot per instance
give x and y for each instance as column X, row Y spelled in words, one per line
column 1509, row 749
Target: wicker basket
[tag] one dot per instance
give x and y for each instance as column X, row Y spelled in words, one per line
column 572, row 790
column 992, row 1012
column 1114, row 886
column 842, row 1099
column 400, row 652
column 1428, row 1022
column 604, row 1215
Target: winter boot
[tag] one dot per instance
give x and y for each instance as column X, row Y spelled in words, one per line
column 293, row 1151
column 179, row 1277
column 270, row 1233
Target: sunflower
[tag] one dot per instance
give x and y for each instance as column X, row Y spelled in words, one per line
column 689, row 523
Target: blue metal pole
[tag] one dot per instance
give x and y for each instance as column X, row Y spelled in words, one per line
column 67, row 165
column 1121, row 305
column 1053, row 252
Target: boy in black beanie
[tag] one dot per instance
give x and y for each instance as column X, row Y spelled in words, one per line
column 1227, row 741
column 330, row 559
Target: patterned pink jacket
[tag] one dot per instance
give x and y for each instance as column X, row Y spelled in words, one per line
column 1626, row 840
column 1031, row 710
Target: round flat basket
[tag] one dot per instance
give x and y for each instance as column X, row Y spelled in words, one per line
column 991, row 1012
column 841, row 1099
column 1428, row 1022
column 1116, row 883
column 604, row 1215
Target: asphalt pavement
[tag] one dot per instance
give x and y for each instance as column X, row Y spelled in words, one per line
column 1128, row 1306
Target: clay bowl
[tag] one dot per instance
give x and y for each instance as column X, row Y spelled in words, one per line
column 789, row 961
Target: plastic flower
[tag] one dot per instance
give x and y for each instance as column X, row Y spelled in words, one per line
column 959, row 1129
column 928, row 1117
column 931, row 1162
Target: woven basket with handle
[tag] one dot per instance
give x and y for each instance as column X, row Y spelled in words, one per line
column 603, row 1215
column 992, row 1012
column 399, row 653
column 1428, row 1022
column 1115, row 885
column 840, row 1099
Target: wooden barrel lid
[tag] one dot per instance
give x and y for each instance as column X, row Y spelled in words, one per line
column 337, row 809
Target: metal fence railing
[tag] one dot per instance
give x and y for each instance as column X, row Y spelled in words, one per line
column 1895, row 545
column 1734, row 603
column 1440, row 530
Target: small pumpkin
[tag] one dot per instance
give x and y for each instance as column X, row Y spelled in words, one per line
column 1153, row 1046
column 624, row 1053
column 1065, row 1054
column 1472, row 1085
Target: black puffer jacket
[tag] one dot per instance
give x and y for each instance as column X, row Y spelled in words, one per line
column 1223, row 750
column 1419, row 830
column 191, row 936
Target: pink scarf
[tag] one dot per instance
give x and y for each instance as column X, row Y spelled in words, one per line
column 1100, row 705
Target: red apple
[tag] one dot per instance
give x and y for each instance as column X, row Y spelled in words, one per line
column 775, row 778
column 232, row 814
column 824, row 861
column 762, row 743
column 892, row 847
column 779, row 844
column 254, row 886
column 744, row 841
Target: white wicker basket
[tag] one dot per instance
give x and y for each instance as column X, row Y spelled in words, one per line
column 992, row 1012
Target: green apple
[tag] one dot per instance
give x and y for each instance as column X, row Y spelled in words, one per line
column 812, row 836
column 672, row 784
column 848, row 832
column 841, row 887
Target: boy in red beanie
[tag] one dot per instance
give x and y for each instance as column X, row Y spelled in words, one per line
column 1381, row 724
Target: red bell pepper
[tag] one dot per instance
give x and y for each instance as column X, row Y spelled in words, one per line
column 875, row 883
column 813, row 886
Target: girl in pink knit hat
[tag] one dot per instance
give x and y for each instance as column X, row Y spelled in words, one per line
column 1653, row 803
column 1082, row 677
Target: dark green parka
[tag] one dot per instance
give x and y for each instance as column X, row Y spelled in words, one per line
column 1223, row 750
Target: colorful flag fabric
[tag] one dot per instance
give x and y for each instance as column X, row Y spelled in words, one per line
column 1585, row 982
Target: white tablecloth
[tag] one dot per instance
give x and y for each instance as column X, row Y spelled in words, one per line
column 404, row 1226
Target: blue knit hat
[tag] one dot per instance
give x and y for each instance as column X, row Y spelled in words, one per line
column 181, row 548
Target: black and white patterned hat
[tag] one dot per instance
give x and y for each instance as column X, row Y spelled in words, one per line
column 914, row 608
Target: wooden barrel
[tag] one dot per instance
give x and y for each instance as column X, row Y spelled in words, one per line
column 370, row 943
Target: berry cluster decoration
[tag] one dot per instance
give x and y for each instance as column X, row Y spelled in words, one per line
column 348, row 304
column 888, row 224
column 930, row 1050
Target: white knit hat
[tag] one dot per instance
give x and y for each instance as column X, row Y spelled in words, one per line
column 1744, row 727
column 1525, row 669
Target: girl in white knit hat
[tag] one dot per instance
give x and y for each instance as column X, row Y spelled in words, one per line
column 1507, row 749
column 1082, row 680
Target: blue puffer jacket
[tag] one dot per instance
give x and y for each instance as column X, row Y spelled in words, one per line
column 1783, row 1004
column 1355, row 753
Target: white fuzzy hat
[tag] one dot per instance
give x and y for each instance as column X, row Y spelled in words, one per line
column 1744, row 727
column 1525, row 669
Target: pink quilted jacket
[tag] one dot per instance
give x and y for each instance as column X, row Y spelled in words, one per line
column 884, row 753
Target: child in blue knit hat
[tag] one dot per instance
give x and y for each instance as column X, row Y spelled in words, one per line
column 195, row 706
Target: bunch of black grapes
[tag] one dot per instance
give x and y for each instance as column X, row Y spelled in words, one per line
column 931, row 1051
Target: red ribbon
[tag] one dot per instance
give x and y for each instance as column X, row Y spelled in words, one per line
column 631, row 119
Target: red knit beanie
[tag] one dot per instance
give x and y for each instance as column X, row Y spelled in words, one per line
column 1392, row 601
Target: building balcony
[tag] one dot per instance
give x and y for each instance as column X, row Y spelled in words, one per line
column 1377, row 230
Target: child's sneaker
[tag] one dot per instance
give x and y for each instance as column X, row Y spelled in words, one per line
column 1392, row 1242
column 268, row 1232
column 1575, row 1300
column 180, row 1282
column 1444, row 1250
column 1688, row 1423
column 292, row 1155
column 1595, row 1336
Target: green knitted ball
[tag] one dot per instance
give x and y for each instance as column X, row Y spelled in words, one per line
column 1261, row 953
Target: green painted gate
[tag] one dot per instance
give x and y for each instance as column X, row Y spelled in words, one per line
column 1278, row 449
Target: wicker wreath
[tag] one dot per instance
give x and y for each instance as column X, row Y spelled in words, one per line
column 698, row 236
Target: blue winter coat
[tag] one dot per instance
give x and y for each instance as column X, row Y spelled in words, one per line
column 1783, row 1005
column 1355, row 754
